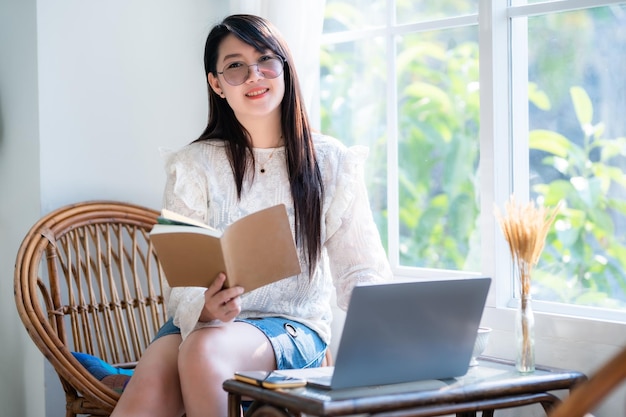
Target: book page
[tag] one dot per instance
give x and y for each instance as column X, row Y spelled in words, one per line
column 190, row 256
column 259, row 249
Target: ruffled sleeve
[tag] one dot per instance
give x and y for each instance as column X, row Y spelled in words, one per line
column 185, row 193
column 353, row 242
column 186, row 183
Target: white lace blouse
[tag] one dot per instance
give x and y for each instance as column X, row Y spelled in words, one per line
column 200, row 184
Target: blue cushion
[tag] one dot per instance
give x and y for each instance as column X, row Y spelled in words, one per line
column 114, row 378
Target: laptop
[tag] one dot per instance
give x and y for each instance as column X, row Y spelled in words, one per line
column 405, row 331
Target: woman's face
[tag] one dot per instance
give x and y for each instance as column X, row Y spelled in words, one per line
column 257, row 96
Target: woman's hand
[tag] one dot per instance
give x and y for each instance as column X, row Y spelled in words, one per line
column 221, row 304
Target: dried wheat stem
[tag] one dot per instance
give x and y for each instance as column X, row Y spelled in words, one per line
column 525, row 228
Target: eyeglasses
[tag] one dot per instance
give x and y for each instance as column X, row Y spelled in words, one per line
column 236, row 73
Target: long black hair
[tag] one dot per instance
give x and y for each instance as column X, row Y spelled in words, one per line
column 304, row 175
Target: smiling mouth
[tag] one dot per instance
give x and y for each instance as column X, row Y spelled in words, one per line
column 257, row 93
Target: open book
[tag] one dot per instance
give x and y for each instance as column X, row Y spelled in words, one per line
column 255, row 250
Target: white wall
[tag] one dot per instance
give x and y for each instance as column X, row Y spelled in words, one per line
column 117, row 79
column 20, row 362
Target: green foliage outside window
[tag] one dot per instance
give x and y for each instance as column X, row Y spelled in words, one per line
column 584, row 261
column 438, row 152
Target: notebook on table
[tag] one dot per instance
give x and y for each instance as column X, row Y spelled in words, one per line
column 405, row 331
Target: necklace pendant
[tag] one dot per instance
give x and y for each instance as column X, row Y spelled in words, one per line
column 269, row 158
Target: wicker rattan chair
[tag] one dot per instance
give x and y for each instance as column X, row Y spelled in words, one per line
column 87, row 280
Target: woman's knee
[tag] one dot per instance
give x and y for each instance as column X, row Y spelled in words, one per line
column 154, row 387
column 217, row 351
column 160, row 361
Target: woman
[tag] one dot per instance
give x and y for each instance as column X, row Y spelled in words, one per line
column 256, row 151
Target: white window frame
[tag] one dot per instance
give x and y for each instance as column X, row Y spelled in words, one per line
column 497, row 92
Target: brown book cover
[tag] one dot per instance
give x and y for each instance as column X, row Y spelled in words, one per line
column 255, row 250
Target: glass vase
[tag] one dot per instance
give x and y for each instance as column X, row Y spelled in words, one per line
column 525, row 336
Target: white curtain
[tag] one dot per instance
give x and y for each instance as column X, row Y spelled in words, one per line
column 301, row 23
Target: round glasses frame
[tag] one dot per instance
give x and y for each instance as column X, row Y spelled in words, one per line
column 269, row 66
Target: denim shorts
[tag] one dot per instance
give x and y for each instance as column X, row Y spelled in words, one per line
column 295, row 345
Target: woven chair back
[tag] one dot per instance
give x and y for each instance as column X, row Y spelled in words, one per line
column 87, row 280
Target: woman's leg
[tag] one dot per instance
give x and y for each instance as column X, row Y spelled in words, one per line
column 154, row 389
column 211, row 355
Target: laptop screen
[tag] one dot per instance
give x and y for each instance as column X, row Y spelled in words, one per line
column 408, row 331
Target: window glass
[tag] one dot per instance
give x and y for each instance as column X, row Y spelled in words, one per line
column 577, row 140
column 438, row 149
column 411, row 11
column 353, row 91
column 343, row 15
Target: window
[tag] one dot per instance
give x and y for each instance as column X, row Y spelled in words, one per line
column 543, row 119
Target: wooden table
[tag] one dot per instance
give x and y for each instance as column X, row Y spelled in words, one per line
column 491, row 385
